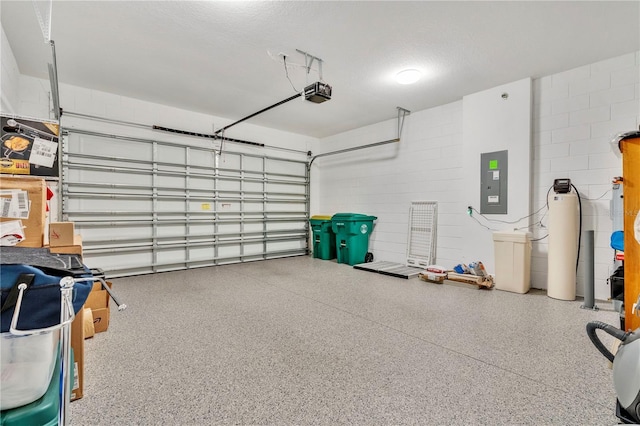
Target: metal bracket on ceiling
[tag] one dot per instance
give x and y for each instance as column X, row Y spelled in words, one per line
column 402, row 113
column 308, row 61
column 44, row 21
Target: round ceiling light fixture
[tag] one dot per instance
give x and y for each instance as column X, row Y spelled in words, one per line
column 408, row 76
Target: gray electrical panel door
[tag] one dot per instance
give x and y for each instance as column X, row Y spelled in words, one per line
column 493, row 182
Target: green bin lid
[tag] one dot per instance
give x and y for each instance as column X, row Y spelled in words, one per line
column 320, row 217
column 352, row 216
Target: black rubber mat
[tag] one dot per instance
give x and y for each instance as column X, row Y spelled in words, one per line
column 392, row 269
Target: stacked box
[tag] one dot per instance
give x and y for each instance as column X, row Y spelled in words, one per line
column 98, row 302
column 61, row 234
column 34, row 224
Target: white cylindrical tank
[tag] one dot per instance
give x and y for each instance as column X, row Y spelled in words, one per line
column 563, row 246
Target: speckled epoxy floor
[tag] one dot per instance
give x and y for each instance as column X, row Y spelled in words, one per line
column 302, row 341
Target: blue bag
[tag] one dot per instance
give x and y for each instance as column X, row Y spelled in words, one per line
column 41, row 301
column 617, row 240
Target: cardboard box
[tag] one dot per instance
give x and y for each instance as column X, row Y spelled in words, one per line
column 61, row 234
column 89, row 329
column 34, row 225
column 77, row 344
column 98, row 297
column 76, row 248
column 98, row 301
column 100, row 319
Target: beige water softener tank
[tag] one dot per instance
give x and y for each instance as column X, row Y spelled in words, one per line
column 563, row 246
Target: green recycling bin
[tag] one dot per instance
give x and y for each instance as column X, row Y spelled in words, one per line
column 324, row 241
column 352, row 236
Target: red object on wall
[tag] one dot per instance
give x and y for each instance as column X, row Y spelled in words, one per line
column 49, row 196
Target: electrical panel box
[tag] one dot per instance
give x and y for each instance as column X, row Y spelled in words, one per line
column 493, row 182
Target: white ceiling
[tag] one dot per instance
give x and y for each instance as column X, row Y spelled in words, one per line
column 220, row 58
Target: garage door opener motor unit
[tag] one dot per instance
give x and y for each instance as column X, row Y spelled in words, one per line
column 317, row 92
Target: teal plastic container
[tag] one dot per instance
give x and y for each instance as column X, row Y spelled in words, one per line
column 324, row 240
column 43, row 411
column 352, row 236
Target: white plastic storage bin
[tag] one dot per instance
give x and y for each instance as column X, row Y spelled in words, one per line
column 27, row 364
column 513, row 261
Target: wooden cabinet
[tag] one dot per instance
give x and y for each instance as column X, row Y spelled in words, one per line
column 630, row 148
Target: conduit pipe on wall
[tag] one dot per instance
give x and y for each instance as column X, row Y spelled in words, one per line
column 589, row 280
column 402, row 113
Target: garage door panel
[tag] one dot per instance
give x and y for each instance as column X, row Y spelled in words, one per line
column 107, row 178
column 201, row 229
column 124, row 206
column 203, row 207
column 228, row 228
column 283, row 226
column 253, row 164
column 253, row 206
column 146, row 206
column 227, row 251
column 253, row 186
column 170, row 182
column 285, row 167
column 201, row 184
column 133, row 262
column 166, row 231
column 113, row 148
column 171, row 154
column 170, row 205
column 171, row 256
column 197, row 254
column 205, row 160
column 253, row 248
column 228, row 185
column 256, row 227
column 276, row 246
column 285, row 207
column 106, row 234
column 285, row 188
column 229, row 160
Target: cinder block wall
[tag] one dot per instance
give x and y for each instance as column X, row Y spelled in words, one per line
column 425, row 165
column 575, row 115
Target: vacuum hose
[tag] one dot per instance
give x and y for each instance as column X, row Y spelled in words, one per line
column 609, row 329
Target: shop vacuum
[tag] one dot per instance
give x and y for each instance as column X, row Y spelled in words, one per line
column 626, row 368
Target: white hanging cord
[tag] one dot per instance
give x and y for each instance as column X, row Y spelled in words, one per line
column 308, row 65
column 286, row 71
column 221, row 142
column 279, row 58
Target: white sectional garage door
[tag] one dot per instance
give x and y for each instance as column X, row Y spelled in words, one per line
column 145, row 206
